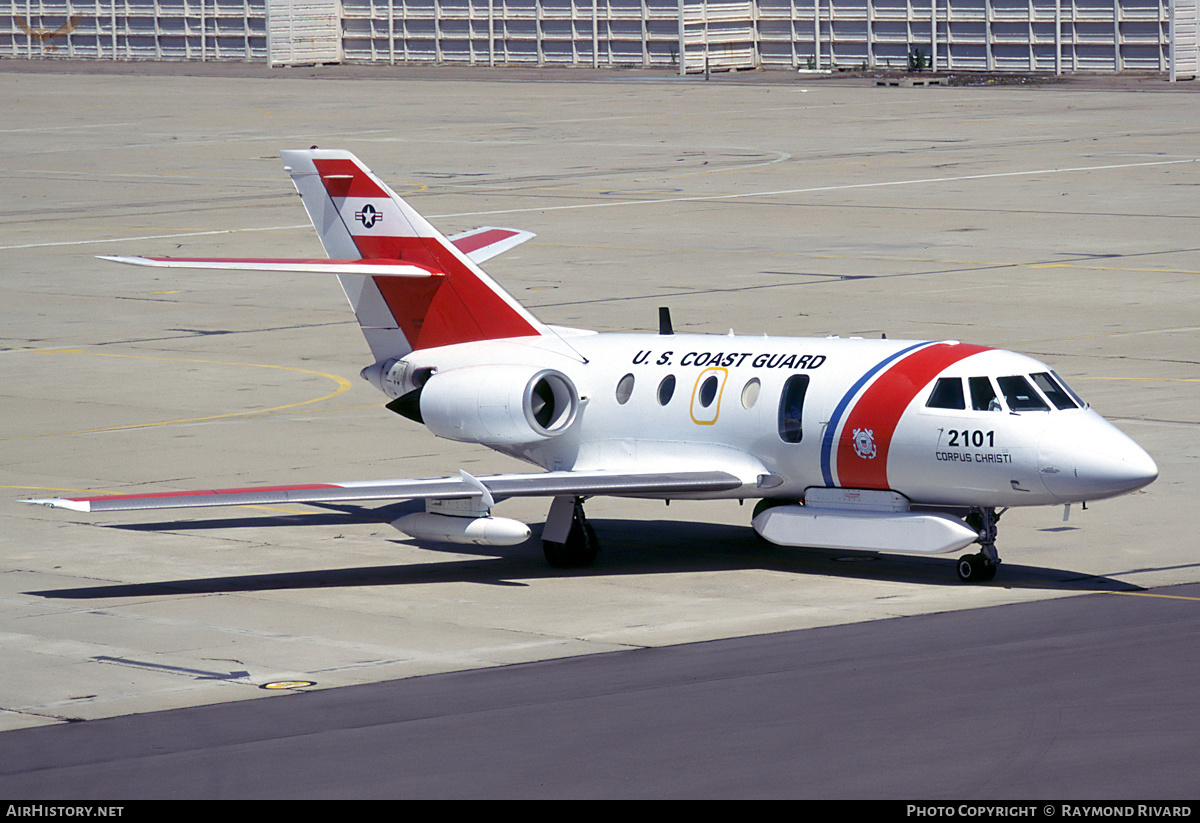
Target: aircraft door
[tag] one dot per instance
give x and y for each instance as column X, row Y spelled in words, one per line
column 791, row 408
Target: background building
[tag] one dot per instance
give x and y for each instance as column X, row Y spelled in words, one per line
column 818, row 35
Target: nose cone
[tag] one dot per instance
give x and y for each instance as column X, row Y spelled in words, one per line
column 1084, row 457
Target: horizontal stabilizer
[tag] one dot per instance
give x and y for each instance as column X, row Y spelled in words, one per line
column 485, row 243
column 549, row 484
column 377, row 267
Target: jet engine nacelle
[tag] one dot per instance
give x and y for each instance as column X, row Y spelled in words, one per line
column 499, row 404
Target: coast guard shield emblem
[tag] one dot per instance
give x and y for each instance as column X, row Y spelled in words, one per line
column 864, row 443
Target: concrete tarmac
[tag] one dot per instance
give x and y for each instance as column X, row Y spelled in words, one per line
column 1059, row 221
column 1018, row 702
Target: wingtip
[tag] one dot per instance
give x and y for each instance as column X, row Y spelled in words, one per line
column 133, row 261
column 60, row 503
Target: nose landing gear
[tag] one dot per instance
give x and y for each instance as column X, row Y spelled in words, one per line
column 981, row 567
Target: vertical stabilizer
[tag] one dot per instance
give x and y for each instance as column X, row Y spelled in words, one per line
column 358, row 217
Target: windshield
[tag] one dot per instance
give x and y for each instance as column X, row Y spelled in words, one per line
column 1020, row 393
column 1020, row 396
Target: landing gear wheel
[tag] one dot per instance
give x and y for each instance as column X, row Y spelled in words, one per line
column 580, row 548
column 980, row 568
column 975, row 568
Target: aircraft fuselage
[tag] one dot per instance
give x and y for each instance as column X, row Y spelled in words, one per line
column 790, row 414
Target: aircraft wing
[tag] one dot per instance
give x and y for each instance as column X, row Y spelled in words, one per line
column 488, row 241
column 549, row 484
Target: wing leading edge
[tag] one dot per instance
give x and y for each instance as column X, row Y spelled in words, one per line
column 549, row 484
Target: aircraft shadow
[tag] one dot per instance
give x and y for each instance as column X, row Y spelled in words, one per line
column 629, row 547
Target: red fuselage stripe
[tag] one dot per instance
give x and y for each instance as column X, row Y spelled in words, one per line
column 879, row 409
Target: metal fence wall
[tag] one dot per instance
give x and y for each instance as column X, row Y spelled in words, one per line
column 513, row 32
column 978, row 35
column 964, row 35
column 135, row 29
column 1185, row 39
column 685, row 35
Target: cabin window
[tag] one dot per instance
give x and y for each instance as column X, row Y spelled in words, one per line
column 983, row 396
column 625, row 389
column 708, row 391
column 666, row 390
column 1053, row 391
column 791, row 408
column 947, row 394
column 1019, row 395
column 750, row 393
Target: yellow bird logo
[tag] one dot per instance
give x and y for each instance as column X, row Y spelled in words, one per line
column 43, row 35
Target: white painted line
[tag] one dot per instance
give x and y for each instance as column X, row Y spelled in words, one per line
column 152, row 237
column 847, row 187
column 684, row 199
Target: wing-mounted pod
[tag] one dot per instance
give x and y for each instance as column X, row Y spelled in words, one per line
column 497, row 404
column 464, row 520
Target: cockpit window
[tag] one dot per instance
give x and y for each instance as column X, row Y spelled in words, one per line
column 1019, row 395
column 1053, row 391
column 1068, row 390
column 983, row 396
column 947, row 394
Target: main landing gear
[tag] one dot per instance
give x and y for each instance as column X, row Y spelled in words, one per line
column 568, row 540
column 981, row 567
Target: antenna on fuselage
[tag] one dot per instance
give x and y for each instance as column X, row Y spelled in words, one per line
column 664, row 320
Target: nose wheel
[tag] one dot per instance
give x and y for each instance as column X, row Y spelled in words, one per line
column 981, row 567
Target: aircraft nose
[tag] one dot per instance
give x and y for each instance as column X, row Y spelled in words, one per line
column 1089, row 459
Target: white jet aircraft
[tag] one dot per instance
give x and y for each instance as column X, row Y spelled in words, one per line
column 882, row 445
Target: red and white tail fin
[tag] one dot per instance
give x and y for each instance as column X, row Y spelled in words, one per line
column 359, row 218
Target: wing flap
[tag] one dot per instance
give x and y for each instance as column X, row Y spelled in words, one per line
column 549, row 484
